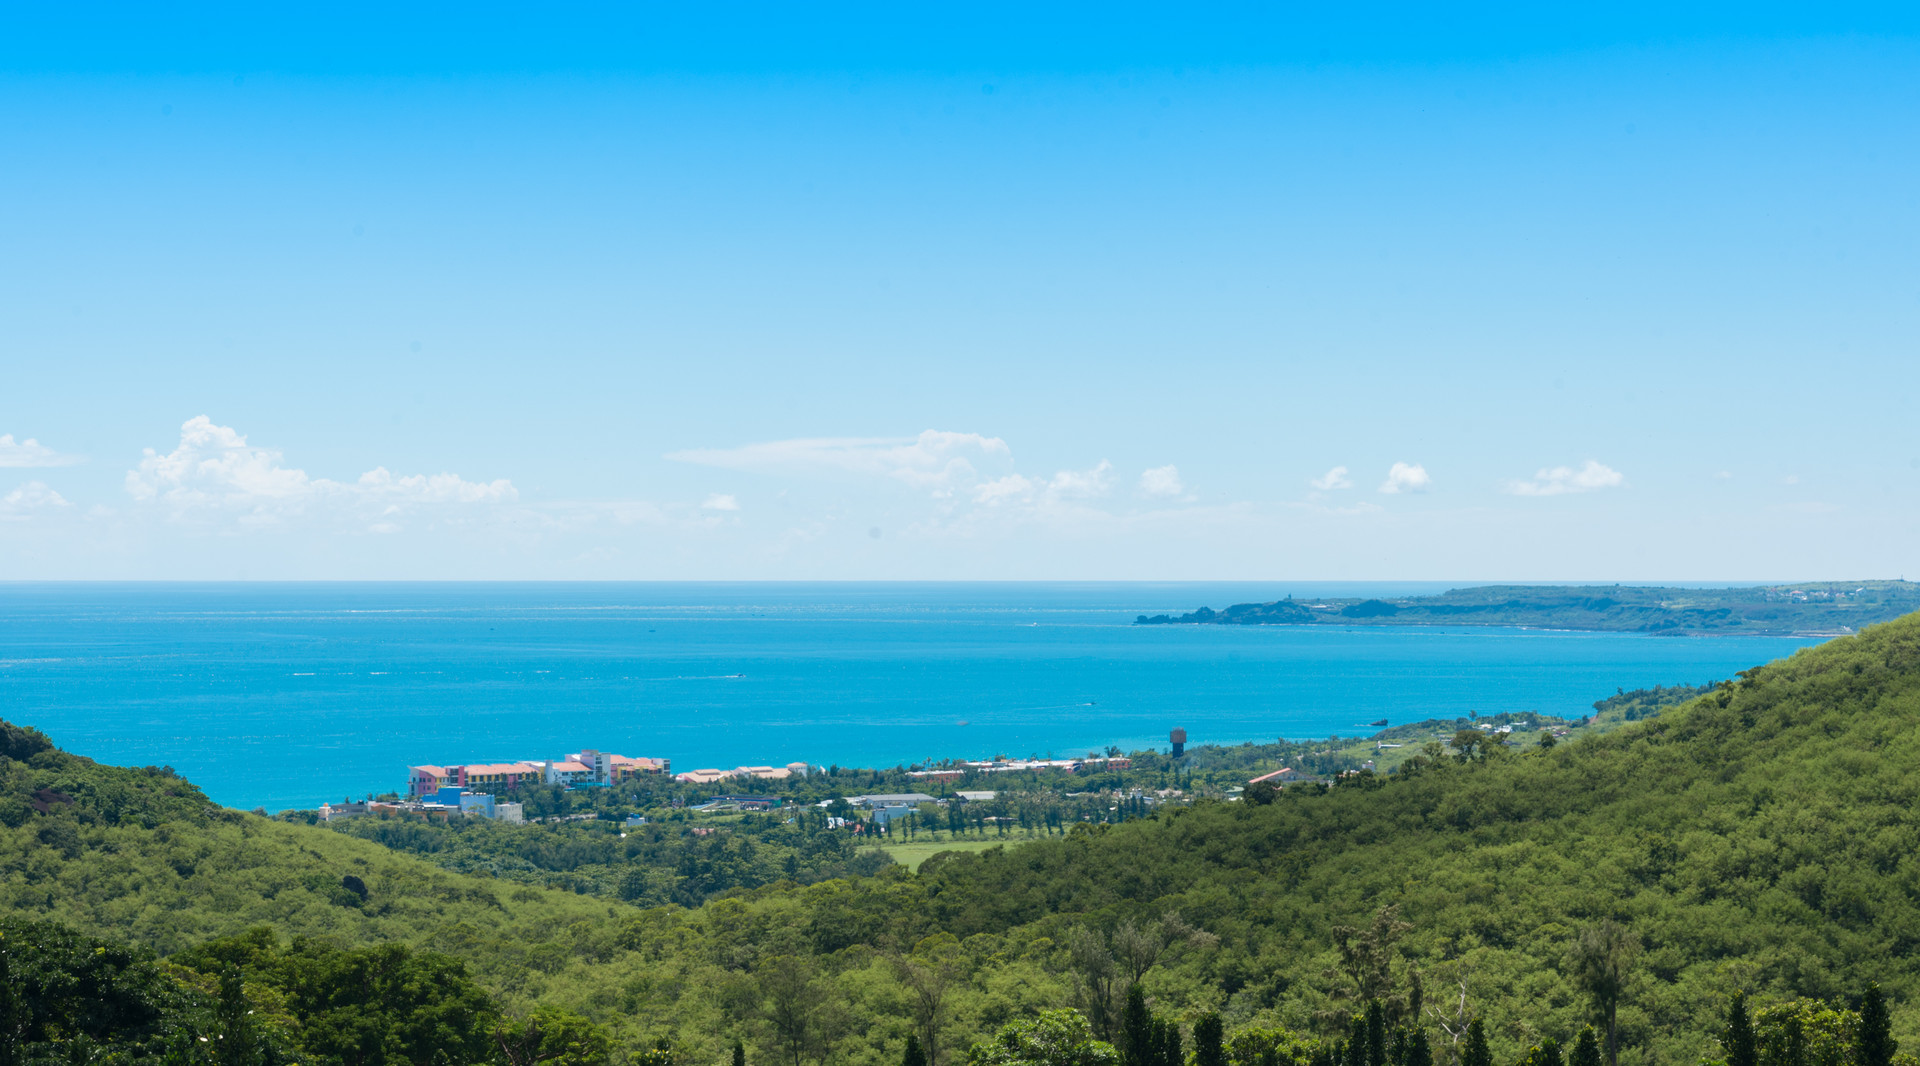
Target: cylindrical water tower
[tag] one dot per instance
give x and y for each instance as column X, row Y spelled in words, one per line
column 1179, row 738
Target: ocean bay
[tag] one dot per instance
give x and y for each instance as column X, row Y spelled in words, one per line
column 281, row 695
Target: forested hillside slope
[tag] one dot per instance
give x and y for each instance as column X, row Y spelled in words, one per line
column 1762, row 837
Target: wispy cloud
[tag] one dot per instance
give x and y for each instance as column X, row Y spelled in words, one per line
column 1335, row 479
column 32, row 453
column 1162, row 481
column 1560, row 480
column 1082, row 484
column 720, row 502
column 1406, row 477
column 1065, row 485
column 29, row 498
column 936, row 459
column 214, row 472
column 1004, row 489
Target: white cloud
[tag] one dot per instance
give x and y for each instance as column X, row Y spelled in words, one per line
column 1162, row 481
column 31, row 452
column 1066, row 485
column 935, row 459
column 214, row 471
column 433, row 488
column 720, row 502
column 1002, row 490
column 1336, row 479
column 1559, row 480
column 1081, row 484
column 1406, row 477
column 32, row 496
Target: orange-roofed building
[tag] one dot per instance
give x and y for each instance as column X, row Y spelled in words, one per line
column 625, row 766
column 428, row 779
column 497, row 775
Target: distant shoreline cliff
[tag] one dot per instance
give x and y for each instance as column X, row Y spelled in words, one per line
column 1822, row 608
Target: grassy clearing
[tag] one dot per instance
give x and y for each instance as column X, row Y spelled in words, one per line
column 919, row 851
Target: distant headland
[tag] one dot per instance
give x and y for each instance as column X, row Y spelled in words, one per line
column 1814, row 608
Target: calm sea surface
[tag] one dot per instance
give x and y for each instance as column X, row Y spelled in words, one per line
column 284, row 695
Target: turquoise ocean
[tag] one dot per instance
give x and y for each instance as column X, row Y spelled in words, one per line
column 284, row 695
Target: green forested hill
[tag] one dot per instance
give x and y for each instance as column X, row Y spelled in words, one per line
column 1763, row 836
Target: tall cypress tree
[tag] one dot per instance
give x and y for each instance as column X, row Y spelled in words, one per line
column 1419, row 1052
column 1136, row 1030
column 1171, row 1052
column 1376, row 1034
column 1477, row 1053
column 13, row 1014
column 1549, row 1052
column 1876, row 1044
column 1742, row 1048
column 1586, row 1049
column 1358, row 1053
column 1209, row 1040
column 913, row 1056
column 739, row 1054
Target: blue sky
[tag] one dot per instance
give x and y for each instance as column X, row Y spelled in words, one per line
column 867, row 292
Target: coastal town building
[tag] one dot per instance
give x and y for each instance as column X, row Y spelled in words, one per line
column 741, row 803
column 351, row 809
column 567, row 773
column 502, row 775
column 587, row 767
column 764, row 773
column 958, row 770
column 442, row 803
column 891, row 799
column 611, row 769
